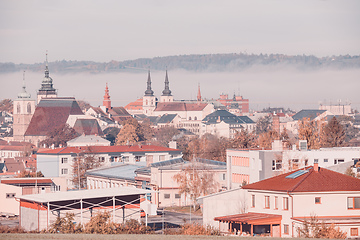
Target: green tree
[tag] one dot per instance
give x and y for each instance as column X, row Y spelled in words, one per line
column 332, row 134
column 263, row 124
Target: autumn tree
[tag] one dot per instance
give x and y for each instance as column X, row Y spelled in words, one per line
column 313, row 228
column 59, row 136
column 309, row 130
column 332, row 134
column 6, row 105
column 137, row 127
column 244, row 139
column 266, row 139
column 165, row 134
column 29, row 174
column 111, row 134
column 195, row 180
column 82, row 162
column 127, row 135
column 147, row 130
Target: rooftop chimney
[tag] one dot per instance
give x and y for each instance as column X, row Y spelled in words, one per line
column 316, row 167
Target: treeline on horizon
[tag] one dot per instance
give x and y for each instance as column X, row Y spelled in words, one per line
column 196, row 62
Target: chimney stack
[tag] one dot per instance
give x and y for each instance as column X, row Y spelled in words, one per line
column 316, row 167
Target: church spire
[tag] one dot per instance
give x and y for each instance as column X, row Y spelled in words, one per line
column 166, row 91
column 23, row 93
column 148, row 91
column 47, row 89
column 199, row 94
column 107, row 102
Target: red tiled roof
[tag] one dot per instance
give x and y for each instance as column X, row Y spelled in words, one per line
column 14, row 165
column 50, row 114
column 26, row 181
column 180, row 106
column 107, row 149
column 251, row 218
column 137, row 105
column 322, row 181
column 11, row 148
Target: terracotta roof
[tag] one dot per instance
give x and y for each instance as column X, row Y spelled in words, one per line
column 322, row 181
column 26, row 181
column 51, row 113
column 11, row 148
column 180, row 106
column 137, row 105
column 251, row 218
column 107, row 149
column 14, row 165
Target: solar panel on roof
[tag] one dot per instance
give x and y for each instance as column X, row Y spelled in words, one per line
column 297, row 174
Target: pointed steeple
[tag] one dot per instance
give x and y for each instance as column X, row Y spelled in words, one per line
column 148, row 91
column 23, row 93
column 47, row 83
column 199, row 94
column 166, row 91
column 107, row 101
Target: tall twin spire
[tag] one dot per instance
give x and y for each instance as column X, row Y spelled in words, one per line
column 149, row 91
column 165, row 92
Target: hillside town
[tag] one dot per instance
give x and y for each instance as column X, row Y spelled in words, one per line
column 265, row 173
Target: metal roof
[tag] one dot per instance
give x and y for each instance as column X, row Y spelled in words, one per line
column 307, row 113
column 83, row 194
column 123, row 171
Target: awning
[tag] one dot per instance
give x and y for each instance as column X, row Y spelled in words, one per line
column 252, row 218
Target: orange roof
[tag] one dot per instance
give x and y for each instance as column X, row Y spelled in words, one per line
column 12, row 148
column 27, row 181
column 137, row 105
column 252, row 218
column 323, row 180
column 107, row 149
column 180, row 106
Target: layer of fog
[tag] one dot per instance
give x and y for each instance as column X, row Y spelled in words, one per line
column 264, row 87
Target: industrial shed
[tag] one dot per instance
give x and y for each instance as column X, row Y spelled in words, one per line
column 38, row 211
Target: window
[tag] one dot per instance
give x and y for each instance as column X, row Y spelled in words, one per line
column 190, row 118
column 286, row 203
column 267, row 201
column 195, row 118
column 137, row 158
column 337, row 161
column 318, row 200
column 102, row 159
column 354, row 203
column 64, row 160
column 276, row 203
column 162, row 158
column 286, row 229
column 252, row 200
column 166, row 195
column 354, row 232
column 276, row 165
column 177, row 195
column 326, row 160
column 64, row 171
column 10, row 195
column 223, row 176
column 316, row 160
column 29, row 108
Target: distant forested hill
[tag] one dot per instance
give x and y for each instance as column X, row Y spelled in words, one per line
column 200, row 63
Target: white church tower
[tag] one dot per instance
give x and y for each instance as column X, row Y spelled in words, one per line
column 23, row 110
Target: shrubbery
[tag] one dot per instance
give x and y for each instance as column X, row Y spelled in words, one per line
column 314, row 229
column 192, row 229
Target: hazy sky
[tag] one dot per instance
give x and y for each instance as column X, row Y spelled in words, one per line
column 119, row 30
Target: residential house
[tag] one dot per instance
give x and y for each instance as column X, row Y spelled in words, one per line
column 278, row 206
